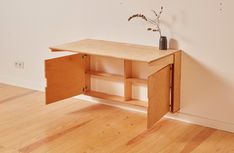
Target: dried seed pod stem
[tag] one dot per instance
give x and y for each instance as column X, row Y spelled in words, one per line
column 155, row 22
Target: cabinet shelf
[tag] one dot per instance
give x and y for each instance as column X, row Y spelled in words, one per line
column 116, row 98
column 106, row 76
column 117, row 78
column 136, row 81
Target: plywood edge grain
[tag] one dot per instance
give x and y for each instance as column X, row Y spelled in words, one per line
column 176, row 82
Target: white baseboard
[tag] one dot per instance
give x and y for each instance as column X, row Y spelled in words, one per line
column 185, row 117
column 203, row 121
column 35, row 85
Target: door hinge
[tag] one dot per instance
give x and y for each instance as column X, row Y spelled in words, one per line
column 83, row 56
column 171, row 67
column 85, row 89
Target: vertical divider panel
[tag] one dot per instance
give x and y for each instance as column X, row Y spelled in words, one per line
column 87, row 75
column 127, row 81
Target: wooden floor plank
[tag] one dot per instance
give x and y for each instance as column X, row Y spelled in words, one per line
column 27, row 125
column 197, row 140
column 49, row 139
column 7, row 92
column 158, row 138
column 7, row 150
column 16, row 97
column 218, row 142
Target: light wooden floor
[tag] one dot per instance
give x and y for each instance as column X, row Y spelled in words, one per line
column 27, row 125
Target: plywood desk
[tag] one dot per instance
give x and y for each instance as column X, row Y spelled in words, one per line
column 70, row 76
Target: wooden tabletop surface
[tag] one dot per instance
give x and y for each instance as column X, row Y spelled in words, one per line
column 115, row 49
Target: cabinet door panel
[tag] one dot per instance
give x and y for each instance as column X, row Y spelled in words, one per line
column 65, row 77
column 159, row 95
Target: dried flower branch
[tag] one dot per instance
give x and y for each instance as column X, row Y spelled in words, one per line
column 155, row 22
column 137, row 15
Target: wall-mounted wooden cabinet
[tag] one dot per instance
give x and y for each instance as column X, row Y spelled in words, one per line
column 70, row 76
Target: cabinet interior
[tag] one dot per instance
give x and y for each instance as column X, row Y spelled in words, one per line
column 121, row 73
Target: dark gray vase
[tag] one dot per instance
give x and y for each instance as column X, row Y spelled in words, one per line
column 163, row 43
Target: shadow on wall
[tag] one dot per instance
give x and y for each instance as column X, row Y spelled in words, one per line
column 204, row 92
column 173, row 44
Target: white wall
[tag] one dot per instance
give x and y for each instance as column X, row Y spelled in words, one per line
column 202, row 30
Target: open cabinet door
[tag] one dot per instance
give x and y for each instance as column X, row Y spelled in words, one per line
column 159, row 95
column 65, row 77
